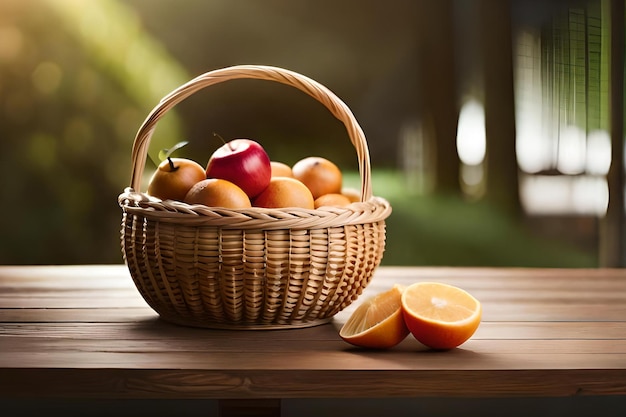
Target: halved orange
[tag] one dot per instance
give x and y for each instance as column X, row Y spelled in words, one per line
column 377, row 323
column 440, row 316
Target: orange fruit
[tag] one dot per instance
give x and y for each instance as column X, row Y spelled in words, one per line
column 284, row 192
column 332, row 199
column 377, row 323
column 320, row 175
column 440, row 316
column 280, row 169
column 214, row 192
column 353, row 194
column 174, row 177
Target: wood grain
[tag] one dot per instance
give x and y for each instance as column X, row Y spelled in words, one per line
column 84, row 331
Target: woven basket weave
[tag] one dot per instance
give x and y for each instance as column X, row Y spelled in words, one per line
column 250, row 268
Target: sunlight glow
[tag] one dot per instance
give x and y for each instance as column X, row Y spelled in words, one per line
column 471, row 141
column 598, row 152
column 47, row 77
column 532, row 147
column 572, row 150
column 112, row 33
column 11, row 42
column 564, row 194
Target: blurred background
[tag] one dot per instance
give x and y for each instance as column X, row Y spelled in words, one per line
column 495, row 127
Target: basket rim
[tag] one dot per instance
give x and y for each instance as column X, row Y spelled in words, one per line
column 137, row 203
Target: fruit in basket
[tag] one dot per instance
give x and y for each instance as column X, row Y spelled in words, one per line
column 243, row 162
column 353, row 194
column 440, row 316
column 332, row 199
column 174, row 177
column 280, row 169
column 377, row 323
column 319, row 174
column 214, row 192
column 284, row 192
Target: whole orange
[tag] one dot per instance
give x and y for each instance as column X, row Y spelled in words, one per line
column 319, row 174
column 284, row 192
column 215, row 192
column 353, row 194
column 333, row 200
column 280, row 169
column 174, row 177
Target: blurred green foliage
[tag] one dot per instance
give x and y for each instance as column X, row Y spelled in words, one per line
column 64, row 122
column 448, row 230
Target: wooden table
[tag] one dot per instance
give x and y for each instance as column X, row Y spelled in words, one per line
column 83, row 333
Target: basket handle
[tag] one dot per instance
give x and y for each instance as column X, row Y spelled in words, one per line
column 311, row 87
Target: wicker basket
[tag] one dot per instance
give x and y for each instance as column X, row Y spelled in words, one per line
column 250, row 268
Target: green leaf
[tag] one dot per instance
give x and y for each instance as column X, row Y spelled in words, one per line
column 166, row 153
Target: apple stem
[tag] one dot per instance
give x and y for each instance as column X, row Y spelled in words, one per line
column 223, row 141
column 172, row 166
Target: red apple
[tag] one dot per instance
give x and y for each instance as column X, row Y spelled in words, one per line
column 243, row 162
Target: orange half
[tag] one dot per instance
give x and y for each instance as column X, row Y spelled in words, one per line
column 440, row 316
column 377, row 323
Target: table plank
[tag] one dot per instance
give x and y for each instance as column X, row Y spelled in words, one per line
column 251, row 383
column 132, row 329
column 88, row 311
column 76, row 315
column 117, row 276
